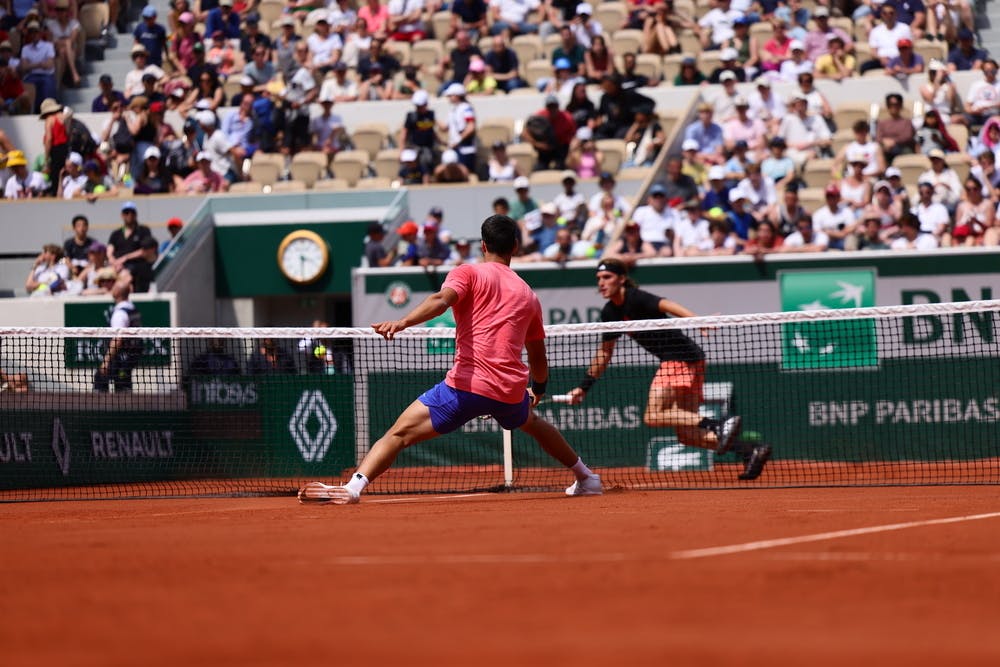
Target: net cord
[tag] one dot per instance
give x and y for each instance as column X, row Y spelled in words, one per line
column 553, row 331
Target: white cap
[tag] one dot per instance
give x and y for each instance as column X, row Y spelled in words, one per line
column 206, row 118
column 740, row 101
column 935, row 64
column 728, row 75
column 454, row 89
column 420, row 98
column 204, row 104
column 203, row 155
column 690, row 145
column 735, row 195
column 584, row 133
column 717, row 173
column 326, row 96
column 449, row 157
column 521, row 182
column 152, row 151
column 893, row 171
column 729, row 54
column 407, row 155
column 796, row 44
column 584, row 8
column 318, row 15
column 247, row 80
column 76, row 158
column 549, row 209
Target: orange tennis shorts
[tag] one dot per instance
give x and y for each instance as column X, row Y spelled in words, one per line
column 686, row 376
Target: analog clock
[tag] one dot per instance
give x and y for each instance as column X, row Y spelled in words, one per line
column 303, row 257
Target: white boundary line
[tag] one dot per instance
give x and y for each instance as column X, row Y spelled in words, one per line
column 819, row 537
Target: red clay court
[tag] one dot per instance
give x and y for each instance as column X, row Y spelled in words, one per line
column 887, row 576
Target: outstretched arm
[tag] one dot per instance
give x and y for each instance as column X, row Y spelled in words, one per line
column 596, row 369
column 431, row 307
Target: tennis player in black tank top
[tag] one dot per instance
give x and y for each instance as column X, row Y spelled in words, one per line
column 676, row 392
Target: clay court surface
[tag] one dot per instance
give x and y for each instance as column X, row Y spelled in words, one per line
column 630, row 578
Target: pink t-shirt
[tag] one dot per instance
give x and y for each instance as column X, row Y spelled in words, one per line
column 496, row 312
column 378, row 21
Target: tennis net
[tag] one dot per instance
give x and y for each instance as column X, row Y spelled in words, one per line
column 872, row 396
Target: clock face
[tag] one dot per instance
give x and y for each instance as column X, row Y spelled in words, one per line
column 303, row 257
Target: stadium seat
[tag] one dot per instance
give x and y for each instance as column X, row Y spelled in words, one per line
column 308, row 167
column 266, row 168
column 496, row 129
column 816, row 173
column 650, row 65
column 544, row 176
column 527, row 48
column 331, row 184
column 911, row 166
column 614, row 154
column 762, row 30
column 611, row 16
column 842, row 137
column 960, row 162
column 230, row 87
column 960, row 133
column 376, row 183
column 671, row 66
column 351, row 165
column 371, row 138
column 812, row 199
column 270, row 10
column 685, row 7
column 387, row 163
column 848, row 113
column 634, row 173
column 427, row 53
column 928, row 50
column 524, row 156
column 441, row 25
column 862, row 53
column 246, row 188
column 669, row 119
column 625, row 41
column 399, row 50
column 689, row 43
column 537, row 70
column 550, row 44
column 93, row 19
column 287, row 186
column 708, row 61
column 845, row 23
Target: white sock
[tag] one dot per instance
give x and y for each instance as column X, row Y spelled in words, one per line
column 581, row 470
column 358, row 483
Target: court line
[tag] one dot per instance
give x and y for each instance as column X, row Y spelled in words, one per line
column 422, row 499
column 691, row 554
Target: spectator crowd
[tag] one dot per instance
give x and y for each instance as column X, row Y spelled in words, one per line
column 216, row 82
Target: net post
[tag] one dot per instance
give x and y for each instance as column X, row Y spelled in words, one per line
column 508, row 460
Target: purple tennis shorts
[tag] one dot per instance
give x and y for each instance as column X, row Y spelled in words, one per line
column 451, row 408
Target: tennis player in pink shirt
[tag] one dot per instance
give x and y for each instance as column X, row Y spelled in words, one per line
column 496, row 316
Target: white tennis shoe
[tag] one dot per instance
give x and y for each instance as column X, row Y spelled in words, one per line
column 320, row 493
column 586, row 487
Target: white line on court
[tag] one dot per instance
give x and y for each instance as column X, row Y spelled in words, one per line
column 819, row 537
column 535, row 559
column 423, row 499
